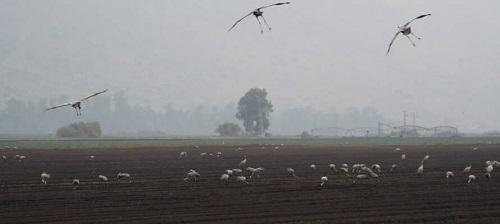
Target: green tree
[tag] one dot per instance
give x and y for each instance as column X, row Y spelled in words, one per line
column 228, row 129
column 253, row 110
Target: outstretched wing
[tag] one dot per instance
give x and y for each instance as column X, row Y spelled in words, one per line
column 62, row 105
column 418, row 17
column 281, row 3
column 240, row 20
column 392, row 41
column 95, row 94
column 262, row 7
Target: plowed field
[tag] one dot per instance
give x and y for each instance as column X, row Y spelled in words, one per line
column 158, row 193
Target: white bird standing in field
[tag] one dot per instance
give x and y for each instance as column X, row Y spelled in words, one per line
column 376, row 167
column 467, row 169
column 102, row 178
column 77, row 104
column 122, row 176
column 406, row 30
column 393, row 167
column 242, row 179
column 291, row 171
column 45, row 177
column 91, row 158
column 496, row 163
column 257, row 172
column 182, row 155
column 203, row 155
column 76, row 182
column 471, row 178
column 403, row 157
column 489, row 168
column 345, row 170
column 250, row 169
column 374, row 175
column 361, row 177
column 420, row 169
column 324, row 180
column 358, row 167
column 313, row 166
column 192, row 175
column 224, row 177
column 257, row 13
column 449, row 176
column 366, row 169
column 237, row 171
column 426, row 157
column 332, row 167
column 244, row 161
column 4, row 157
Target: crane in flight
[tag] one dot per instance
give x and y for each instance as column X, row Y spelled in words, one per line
column 258, row 13
column 406, row 30
column 76, row 104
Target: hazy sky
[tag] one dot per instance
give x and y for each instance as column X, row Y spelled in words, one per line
column 321, row 54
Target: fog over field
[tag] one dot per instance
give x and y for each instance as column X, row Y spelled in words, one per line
column 321, row 58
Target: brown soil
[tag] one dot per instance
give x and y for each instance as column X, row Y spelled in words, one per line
column 157, row 192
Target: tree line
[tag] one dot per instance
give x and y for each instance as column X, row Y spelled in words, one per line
column 116, row 115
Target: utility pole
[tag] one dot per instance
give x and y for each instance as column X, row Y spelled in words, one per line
column 414, row 115
column 404, row 117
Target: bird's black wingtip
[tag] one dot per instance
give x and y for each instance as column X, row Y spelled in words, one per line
column 422, row 16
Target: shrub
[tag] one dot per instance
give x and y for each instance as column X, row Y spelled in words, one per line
column 228, row 129
column 80, row 130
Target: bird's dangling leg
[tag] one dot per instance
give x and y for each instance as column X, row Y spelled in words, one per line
column 415, row 36
column 76, row 109
column 411, row 41
column 260, row 25
column 265, row 22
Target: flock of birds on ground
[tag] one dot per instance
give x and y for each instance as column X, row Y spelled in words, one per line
column 241, row 174
column 362, row 171
column 405, row 30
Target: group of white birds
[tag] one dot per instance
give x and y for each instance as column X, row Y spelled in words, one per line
column 253, row 172
column 362, row 171
column 16, row 157
column 101, row 178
